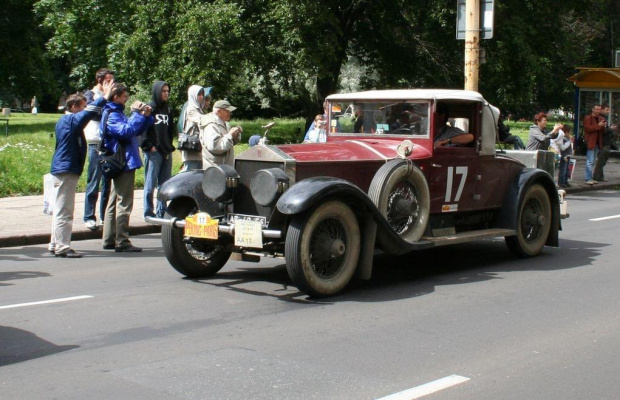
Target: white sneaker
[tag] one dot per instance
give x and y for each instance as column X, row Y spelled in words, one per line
column 100, row 222
column 91, row 224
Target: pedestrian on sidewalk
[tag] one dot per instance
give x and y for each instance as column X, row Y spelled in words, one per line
column 539, row 138
column 594, row 127
column 157, row 148
column 116, row 127
column 564, row 146
column 603, row 154
column 93, row 175
column 67, row 166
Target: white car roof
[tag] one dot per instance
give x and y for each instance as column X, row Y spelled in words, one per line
column 409, row 94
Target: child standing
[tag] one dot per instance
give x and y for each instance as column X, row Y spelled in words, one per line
column 566, row 151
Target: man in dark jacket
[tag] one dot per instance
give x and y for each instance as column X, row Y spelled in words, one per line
column 67, row 166
column 157, row 148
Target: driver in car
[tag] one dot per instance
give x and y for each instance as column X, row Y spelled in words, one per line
column 446, row 135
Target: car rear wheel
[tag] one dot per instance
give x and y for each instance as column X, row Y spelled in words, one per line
column 400, row 192
column 194, row 258
column 322, row 249
column 533, row 225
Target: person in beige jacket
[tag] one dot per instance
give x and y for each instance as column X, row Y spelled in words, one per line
column 217, row 137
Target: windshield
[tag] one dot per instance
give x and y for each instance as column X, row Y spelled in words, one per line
column 380, row 117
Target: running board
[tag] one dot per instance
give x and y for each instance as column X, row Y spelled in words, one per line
column 468, row 236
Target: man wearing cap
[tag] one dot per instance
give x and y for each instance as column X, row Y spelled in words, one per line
column 217, row 137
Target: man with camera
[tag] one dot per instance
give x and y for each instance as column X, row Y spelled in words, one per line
column 603, row 154
column 593, row 126
column 217, row 137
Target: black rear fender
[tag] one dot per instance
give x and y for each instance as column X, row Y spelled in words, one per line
column 509, row 214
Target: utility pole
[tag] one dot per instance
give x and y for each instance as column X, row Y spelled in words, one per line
column 472, row 44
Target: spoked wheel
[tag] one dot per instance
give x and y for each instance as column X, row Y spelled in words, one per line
column 400, row 192
column 194, row 258
column 533, row 225
column 322, row 249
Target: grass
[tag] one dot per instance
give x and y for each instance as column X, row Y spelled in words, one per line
column 26, row 153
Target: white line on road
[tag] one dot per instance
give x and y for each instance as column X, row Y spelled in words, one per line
column 604, row 218
column 35, row 303
column 427, row 388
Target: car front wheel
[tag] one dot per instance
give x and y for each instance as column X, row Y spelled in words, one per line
column 322, row 249
column 533, row 225
column 194, row 258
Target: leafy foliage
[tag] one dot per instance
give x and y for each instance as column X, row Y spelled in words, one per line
column 282, row 57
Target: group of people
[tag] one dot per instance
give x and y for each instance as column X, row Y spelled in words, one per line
column 95, row 125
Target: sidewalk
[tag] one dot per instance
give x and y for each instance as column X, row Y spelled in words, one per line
column 23, row 223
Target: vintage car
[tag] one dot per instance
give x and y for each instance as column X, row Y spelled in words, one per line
column 380, row 181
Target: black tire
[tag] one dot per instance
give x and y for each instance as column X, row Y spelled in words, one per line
column 193, row 258
column 322, row 249
column 400, row 192
column 533, row 225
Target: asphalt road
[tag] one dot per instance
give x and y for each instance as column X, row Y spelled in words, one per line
column 477, row 322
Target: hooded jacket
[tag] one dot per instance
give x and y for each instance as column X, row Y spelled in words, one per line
column 161, row 134
column 119, row 127
column 192, row 114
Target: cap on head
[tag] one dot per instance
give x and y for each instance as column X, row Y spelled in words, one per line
column 225, row 105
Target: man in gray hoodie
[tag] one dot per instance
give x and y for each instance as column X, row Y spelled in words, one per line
column 157, row 148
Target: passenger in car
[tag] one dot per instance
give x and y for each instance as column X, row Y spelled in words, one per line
column 446, row 135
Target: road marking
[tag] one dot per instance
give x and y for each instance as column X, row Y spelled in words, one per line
column 604, row 218
column 427, row 388
column 36, row 303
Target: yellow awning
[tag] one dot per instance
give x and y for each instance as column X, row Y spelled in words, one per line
column 600, row 78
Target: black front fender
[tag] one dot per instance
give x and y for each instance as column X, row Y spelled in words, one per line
column 304, row 195
column 188, row 185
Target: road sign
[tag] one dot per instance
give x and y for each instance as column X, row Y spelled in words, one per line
column 486, row 19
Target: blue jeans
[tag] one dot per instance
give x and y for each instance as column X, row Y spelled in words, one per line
column 563, row 174
column 93, row 178
column 157, row 170
column 590, row 157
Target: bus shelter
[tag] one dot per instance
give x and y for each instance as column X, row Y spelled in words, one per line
column 596, row 86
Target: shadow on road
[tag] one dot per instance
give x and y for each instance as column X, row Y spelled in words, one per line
column 17, row 345
column 417, row 273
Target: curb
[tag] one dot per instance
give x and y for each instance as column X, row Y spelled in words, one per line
column 44, row 238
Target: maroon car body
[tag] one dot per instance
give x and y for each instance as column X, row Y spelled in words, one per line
column 379, row 181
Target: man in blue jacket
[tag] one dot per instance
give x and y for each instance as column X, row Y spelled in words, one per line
column 67, row 166
column 116, row 127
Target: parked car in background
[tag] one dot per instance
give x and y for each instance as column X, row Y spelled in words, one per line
column 379, row 181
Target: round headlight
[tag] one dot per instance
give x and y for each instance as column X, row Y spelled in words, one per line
column 218, row 183
column 268, row 185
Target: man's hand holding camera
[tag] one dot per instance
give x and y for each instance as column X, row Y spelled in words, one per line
column 236, row 133
column 141, row 108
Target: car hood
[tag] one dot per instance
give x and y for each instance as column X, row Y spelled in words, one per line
column 345, row 150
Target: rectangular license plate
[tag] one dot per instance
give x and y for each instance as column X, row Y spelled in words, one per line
column 201, row 225
column 248, row 230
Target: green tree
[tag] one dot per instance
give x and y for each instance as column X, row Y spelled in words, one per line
column 24, row 70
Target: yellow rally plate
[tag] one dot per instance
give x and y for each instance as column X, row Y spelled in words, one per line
column 201, row 225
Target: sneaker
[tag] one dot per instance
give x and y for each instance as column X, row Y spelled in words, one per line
column 69, row 254
column 51, row 248
column 590, row 182
column 127, row 249
column 100, row 222
column 91, row 224
column 595, row 182
column 109, row 247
